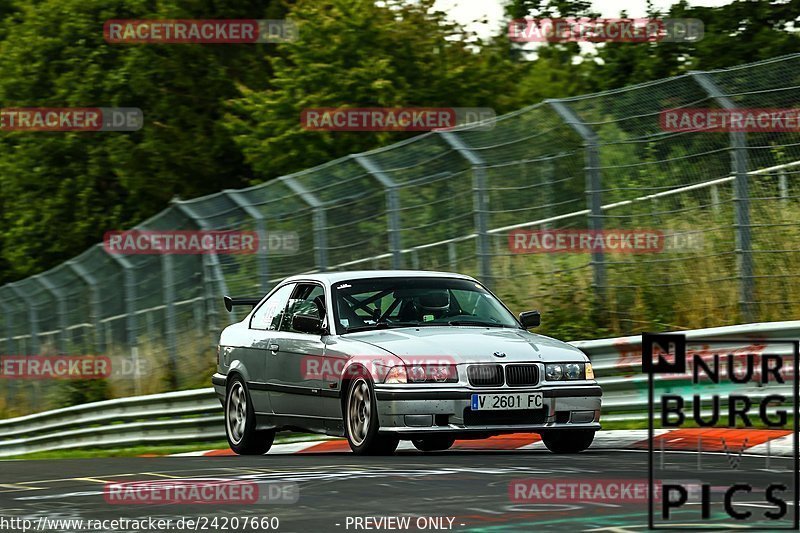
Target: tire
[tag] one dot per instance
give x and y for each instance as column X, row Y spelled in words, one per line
column 433, row 444
column 240, row 422
column 569, row 440
column 361, row 421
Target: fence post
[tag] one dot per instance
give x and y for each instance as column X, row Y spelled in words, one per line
column 593, row 195
column 741, row 199
column 96, row 312
column 783, row 185
column 452, row 255
column 8, row 326
column 263, row 253
column 130, row 303
column 392, row 207
column 11, row 388
column 33, row 348
column 61, row 310
column 480, row 200
column 33, row 320
column 212, row 270
column 320, row 224
column 170, row 324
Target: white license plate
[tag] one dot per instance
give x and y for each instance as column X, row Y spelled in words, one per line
column 507, row 401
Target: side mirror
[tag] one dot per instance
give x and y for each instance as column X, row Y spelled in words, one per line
column 530, row 319
column 307, row 324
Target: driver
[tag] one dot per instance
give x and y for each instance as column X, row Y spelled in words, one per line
column 435, row 303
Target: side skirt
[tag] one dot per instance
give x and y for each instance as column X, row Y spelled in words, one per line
column 307, row 424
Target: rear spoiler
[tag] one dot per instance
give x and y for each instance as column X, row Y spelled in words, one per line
column 230, row 302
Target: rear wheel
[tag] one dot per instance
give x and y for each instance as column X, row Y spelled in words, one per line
column 434, row 443
column 568, row 441
column 240, row 422
column 361, row 421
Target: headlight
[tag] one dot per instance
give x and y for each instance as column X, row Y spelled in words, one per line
column 396, row 374
column 568, row 371
column 574, row 371
column 444, row 373
column 416, row 373
column 422, row 374
column 553, row 372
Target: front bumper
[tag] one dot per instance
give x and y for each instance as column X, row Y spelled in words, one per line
column 425, row 411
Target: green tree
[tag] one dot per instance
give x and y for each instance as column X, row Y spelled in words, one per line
column 361, row 53
column 743, row 31
column 59, row 192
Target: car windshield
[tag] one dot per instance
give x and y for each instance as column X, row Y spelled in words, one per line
column 402, row 302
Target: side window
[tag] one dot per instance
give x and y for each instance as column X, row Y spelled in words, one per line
column 307, row 299
column 269, row 315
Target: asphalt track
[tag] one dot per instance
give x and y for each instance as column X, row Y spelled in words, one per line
column 470, row 486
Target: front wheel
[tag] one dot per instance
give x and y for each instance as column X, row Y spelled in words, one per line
column 568, row 440
column 361, row 421
column 240, row 422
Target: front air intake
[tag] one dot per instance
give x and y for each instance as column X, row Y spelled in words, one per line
column 485, row 375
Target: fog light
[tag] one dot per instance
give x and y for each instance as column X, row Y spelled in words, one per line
column 419, row 421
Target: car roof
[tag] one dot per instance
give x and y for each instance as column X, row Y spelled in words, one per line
column 336, row 277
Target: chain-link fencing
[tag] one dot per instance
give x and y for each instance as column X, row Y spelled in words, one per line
column 458, row 200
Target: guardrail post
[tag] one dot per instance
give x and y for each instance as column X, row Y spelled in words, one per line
column 480, row 201
column 94, row 298
column 593, row 196
column 741, row 199
column 61, row 311
column 320, row 224
column 262, row 253
column 33, row 320
column 392, row 207
column 212, row 272
column 130, row 303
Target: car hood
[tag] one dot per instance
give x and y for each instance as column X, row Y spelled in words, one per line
column 469, row 344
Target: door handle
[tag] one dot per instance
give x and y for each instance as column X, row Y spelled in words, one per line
column 274, row 348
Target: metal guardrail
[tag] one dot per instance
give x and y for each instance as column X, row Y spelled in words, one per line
column 170, row 418
column 617, row 364
column 196, row 415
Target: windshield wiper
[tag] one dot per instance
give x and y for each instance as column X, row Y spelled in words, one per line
column 383, row 325
column 476, row 323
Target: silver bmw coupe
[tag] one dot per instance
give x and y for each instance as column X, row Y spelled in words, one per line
column 380, row 356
